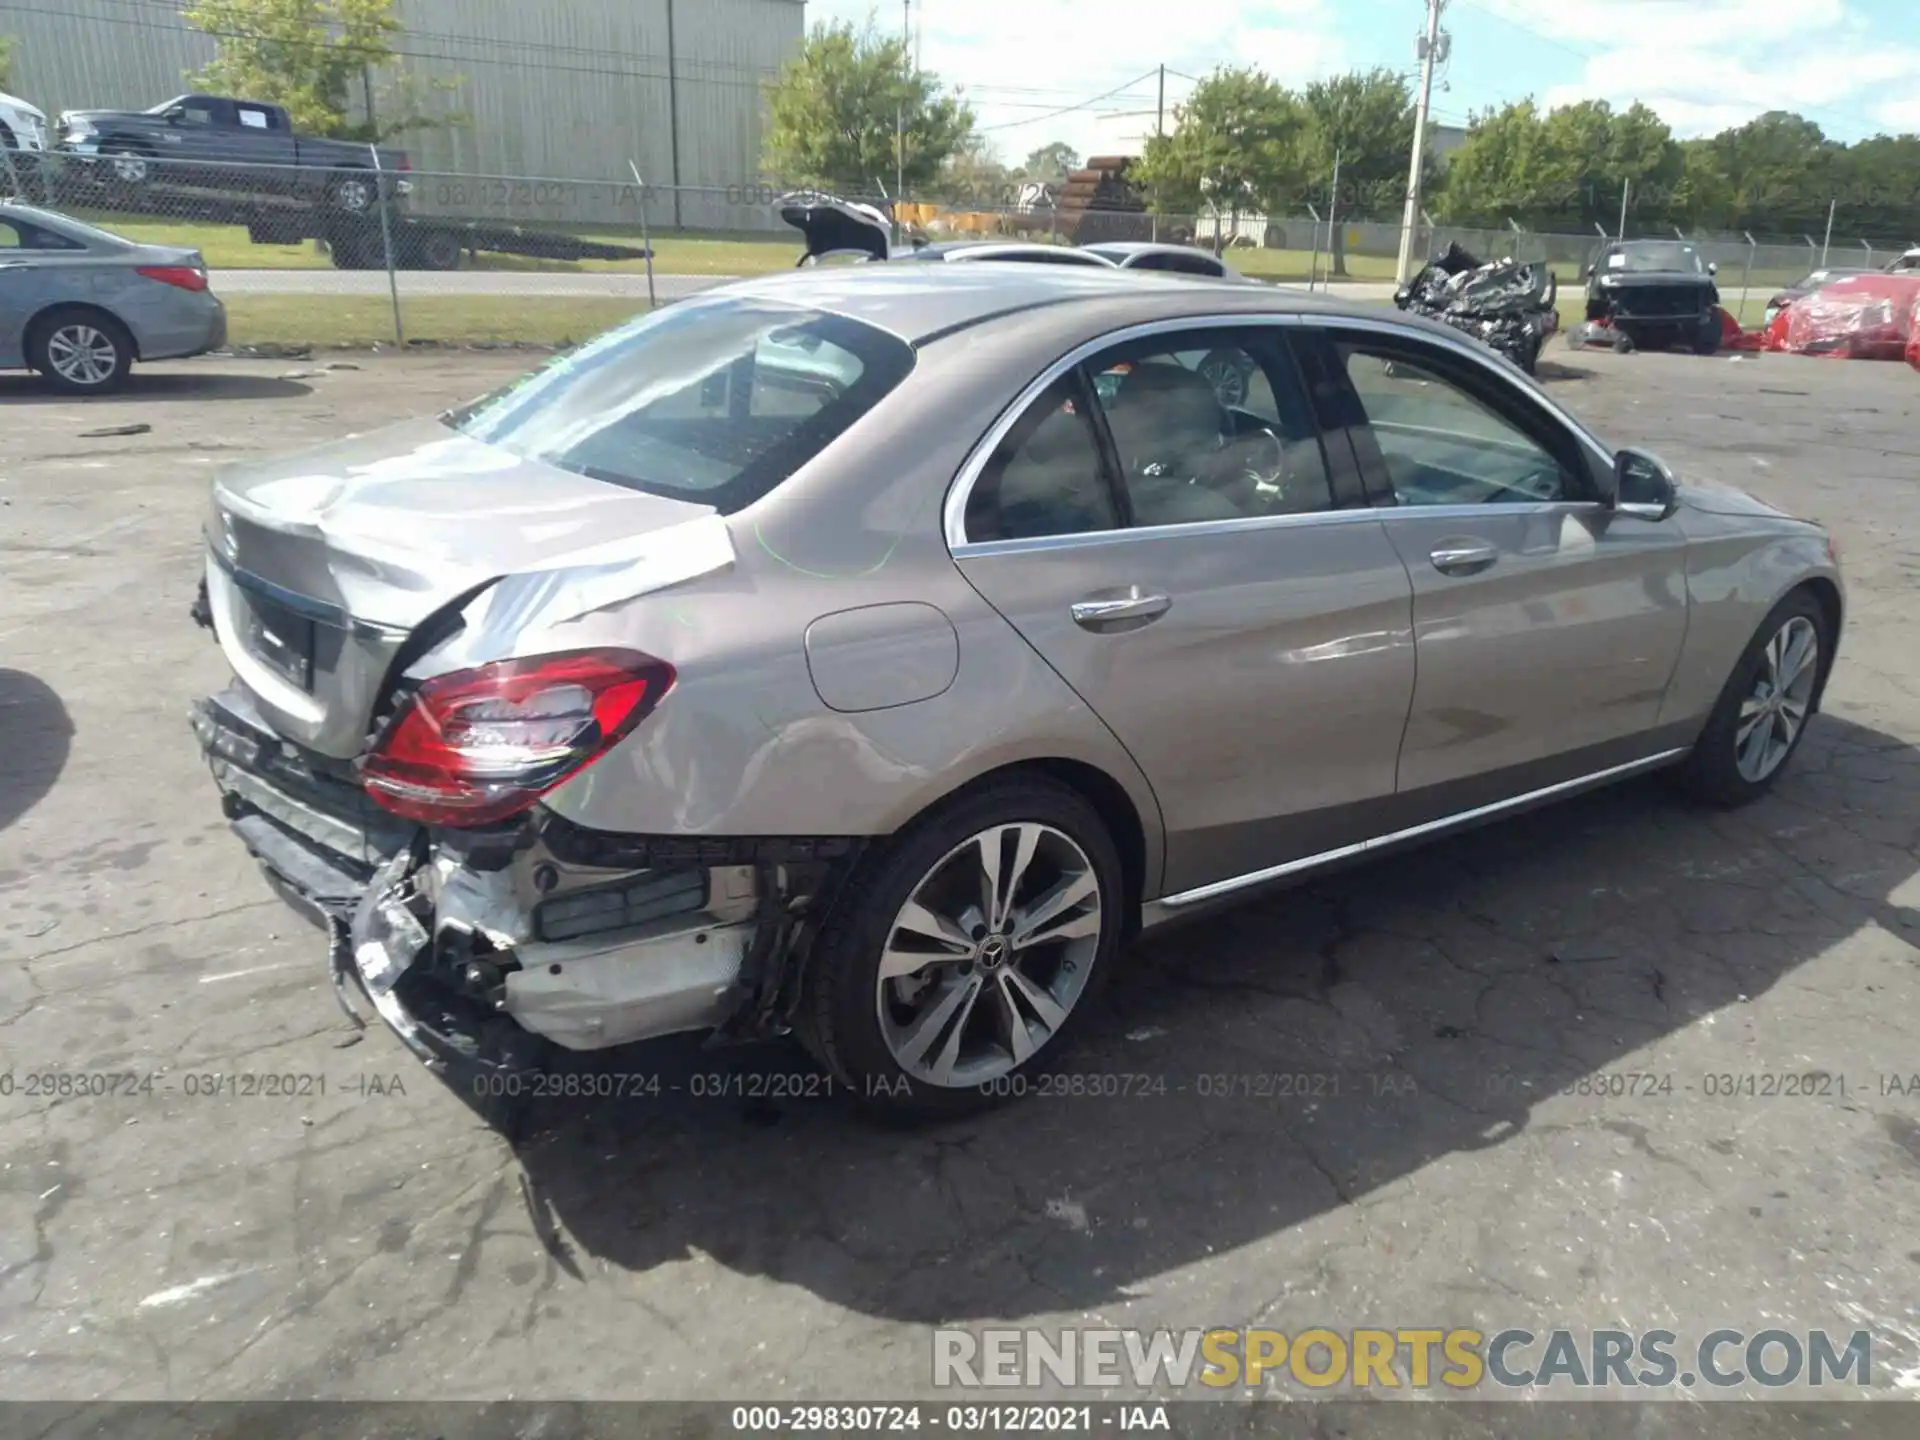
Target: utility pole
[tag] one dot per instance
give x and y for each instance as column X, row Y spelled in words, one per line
column 900, row 120
column 1159, row 129
column 1626, row 189
column 1825, row 244
column 1430, row 48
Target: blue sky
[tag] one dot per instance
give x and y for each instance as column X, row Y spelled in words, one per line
column 1851, row 65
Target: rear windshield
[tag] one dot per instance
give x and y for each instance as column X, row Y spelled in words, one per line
column 712, row 401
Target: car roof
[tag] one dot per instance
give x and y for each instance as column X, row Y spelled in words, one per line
column 1142, row 247
column 921, row 303
column 941, row 248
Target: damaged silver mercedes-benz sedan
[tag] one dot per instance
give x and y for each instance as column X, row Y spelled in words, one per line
column 866, row 654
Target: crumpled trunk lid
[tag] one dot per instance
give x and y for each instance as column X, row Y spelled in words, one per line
column 321, row 565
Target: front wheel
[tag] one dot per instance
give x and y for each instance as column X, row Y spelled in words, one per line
column 1762, row 713
column 962, row 955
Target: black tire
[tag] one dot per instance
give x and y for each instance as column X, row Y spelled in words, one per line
column 1706, row 340
column 1622, row 343
column 1712, row 772
column 51, row 340
column 838, row 1016
column 1234, row 379
column 355, row 252
column 435, row 250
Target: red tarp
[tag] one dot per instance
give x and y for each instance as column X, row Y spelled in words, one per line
column 1732, row 337
column 1863, row 317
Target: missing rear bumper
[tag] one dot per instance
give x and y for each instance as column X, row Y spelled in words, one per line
column 482, row 949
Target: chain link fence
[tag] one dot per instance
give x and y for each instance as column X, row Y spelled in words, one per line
column 351, row 254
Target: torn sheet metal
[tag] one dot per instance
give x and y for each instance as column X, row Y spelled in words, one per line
column 1510, row 307
column 596, row 579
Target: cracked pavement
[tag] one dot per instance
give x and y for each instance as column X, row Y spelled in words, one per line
column 1393, row 1097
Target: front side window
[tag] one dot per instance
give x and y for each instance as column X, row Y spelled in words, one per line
column 1442, row 444
column 713, row 402
column 1220, row 430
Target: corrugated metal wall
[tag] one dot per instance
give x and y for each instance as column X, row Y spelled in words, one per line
column 571, row 91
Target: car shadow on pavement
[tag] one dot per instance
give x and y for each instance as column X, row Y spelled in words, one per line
column 1251, row 1072
column 36, row 735
column 143, row 385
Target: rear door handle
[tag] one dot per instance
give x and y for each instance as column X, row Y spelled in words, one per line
column 1092, row 614
column 1463, row 557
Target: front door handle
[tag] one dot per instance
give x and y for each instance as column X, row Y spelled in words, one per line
column 1463, row 557
column 1093, row 614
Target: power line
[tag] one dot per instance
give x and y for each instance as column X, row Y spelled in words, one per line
column 1070, row 109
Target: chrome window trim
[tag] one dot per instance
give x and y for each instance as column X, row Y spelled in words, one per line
column 954, row 509
column 1156, row 909
column 1082, row 539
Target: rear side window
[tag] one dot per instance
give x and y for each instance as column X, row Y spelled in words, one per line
column 1179, row 264
column 1047, row 476
column 20, row 235
column 712, row 402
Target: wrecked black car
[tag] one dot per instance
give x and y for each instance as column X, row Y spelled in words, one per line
column 1655, row 295
column 1505, row 305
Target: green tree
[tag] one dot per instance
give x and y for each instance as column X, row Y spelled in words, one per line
column 973, row 176
column 1239, row 143
column 1365, row 120
column 1498, row 170
column 832, row 110
column 6, row 61
column 316, row 58
column 1563, row 169
column 1780, row 172
column 1051, row 164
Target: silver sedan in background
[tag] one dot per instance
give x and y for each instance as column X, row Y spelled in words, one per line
column 81, row 305
column 869, row 653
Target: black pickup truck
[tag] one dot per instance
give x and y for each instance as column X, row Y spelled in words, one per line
column 210, row 142
column 1656, row 294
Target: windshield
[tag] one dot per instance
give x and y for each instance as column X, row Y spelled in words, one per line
column 1666, row 255
column 715, row 402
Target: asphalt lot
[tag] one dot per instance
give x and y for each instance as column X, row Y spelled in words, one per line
column 380, row 1240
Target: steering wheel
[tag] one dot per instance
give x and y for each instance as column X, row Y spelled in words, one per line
column 1256, row 464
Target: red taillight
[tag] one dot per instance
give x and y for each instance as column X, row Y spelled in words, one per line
column 477, row 746
column 184, row 276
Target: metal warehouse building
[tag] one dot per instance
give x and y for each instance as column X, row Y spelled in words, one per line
column 571, row 90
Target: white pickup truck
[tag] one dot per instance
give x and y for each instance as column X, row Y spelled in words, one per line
column 22, row 126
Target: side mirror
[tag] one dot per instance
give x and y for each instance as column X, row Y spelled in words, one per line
column 174, row 115
column 1591, row 271
column 1643, row 486
column 1713, row 268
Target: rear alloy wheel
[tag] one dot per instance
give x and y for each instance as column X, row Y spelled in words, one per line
column 351, row 193
column 964, row 954
column 83, row 352
column 1762, row 713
